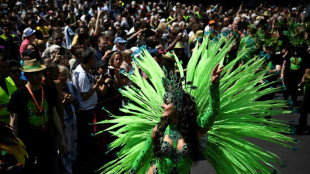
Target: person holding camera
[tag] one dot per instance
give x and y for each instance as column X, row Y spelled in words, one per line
column 86, row 90
column 56, row 39
column 57, row 55
column 115, row 62
column 108, row 98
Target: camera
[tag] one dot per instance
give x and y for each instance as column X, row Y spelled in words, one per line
column 66, row 90
column 61, row 51
column 111, row 71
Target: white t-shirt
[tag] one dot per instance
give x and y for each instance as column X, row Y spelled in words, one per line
column 83, row 82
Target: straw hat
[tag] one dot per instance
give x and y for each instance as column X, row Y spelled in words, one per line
column 32, row 66
column 28, row 31
column 265, row 13
column 169, row 56
column 199, row 33
column 179, row 45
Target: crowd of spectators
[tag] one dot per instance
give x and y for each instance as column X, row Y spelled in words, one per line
column 77, row 51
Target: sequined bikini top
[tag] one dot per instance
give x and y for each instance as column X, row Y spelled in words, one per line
column 172, row 151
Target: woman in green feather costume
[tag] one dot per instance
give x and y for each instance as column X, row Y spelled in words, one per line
column 174, row 141
column 196, row 116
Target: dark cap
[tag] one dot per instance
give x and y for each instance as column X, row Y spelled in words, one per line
column 101, row 64
column 28, row 52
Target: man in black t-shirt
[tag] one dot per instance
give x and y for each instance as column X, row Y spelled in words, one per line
column 33, row 114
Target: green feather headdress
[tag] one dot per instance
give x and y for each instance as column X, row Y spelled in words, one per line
column 174, row 87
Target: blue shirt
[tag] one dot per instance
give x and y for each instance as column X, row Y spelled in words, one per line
column 99, row 54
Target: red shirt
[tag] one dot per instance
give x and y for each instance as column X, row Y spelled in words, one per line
column 23, row 46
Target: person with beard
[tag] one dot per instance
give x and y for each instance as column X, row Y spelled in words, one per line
column 103, row 52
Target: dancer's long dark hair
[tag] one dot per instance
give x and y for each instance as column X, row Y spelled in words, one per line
column 187, row 126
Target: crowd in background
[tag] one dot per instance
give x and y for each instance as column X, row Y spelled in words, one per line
column 80, row 50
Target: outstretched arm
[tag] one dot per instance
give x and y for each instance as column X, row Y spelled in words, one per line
column 207, row 120
column 141, row 158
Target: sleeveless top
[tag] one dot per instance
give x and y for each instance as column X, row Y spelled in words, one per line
column 173, row 160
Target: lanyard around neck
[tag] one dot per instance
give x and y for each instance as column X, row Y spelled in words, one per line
column 34, row 99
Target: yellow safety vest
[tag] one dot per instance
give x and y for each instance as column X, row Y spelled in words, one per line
column 185, row 17
column 5, row 38
column 198, row 15
column 5, row 98
column 169, row 18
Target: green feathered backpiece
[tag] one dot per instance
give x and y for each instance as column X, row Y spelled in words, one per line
column 241, row 116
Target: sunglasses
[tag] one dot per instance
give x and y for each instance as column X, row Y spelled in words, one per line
column 15, row 71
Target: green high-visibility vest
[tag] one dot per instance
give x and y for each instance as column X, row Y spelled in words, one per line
column 186, row 17
column 5, row 98
column 198, row 15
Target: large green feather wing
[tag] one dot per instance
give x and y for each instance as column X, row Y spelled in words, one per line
column 241, row 115
column 143, row 112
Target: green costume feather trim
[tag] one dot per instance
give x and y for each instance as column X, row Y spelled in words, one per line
column 240, row 115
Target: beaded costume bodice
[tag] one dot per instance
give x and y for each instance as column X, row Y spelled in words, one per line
column 174, row 160
column 171, row 150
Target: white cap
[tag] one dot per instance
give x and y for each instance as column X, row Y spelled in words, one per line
column 54, row 48
column 135, row 51
column 244, row 15
column 294, row 9
column 253, row 15
column 174, row 8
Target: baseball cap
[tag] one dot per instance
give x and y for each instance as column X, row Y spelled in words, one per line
column 119, row 40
